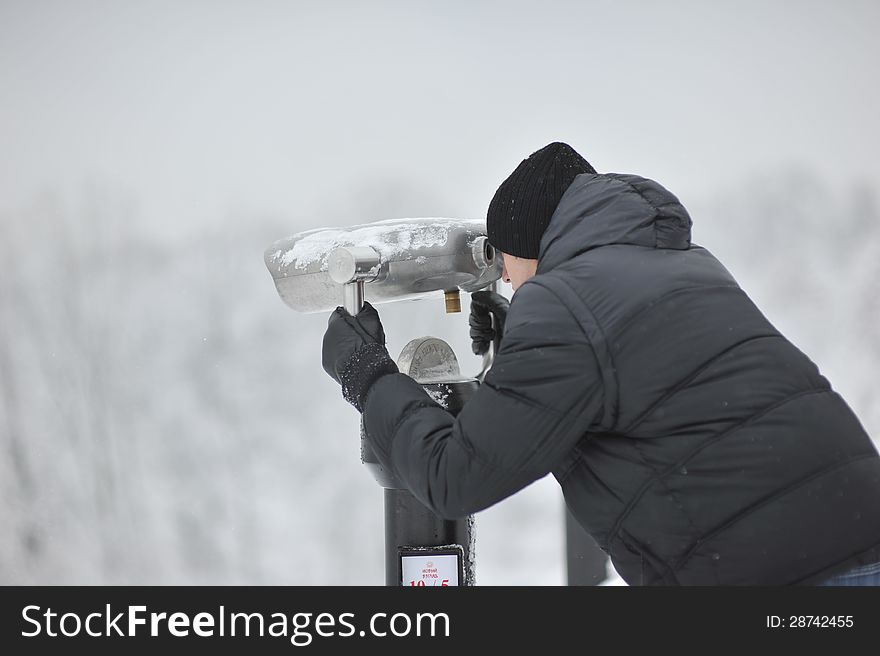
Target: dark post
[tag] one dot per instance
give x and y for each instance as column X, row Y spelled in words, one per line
column 585, row 561
column 411, row 529
column 410, row 524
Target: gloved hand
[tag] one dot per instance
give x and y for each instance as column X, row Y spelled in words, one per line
column 354, row 352
column 484, row 305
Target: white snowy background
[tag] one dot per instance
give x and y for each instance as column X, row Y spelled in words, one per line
column 164, row 418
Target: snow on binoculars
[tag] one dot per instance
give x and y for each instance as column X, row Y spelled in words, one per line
column 381, row 262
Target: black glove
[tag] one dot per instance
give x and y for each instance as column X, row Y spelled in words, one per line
column 485, row 305
column 354, row 352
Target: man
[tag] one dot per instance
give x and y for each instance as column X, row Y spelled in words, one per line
column 694, row 442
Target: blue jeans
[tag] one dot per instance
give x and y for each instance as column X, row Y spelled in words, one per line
column 866, row 575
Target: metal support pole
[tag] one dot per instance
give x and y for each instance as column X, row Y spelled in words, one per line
column 408, row 522
column 586, row 562
column 410, row 527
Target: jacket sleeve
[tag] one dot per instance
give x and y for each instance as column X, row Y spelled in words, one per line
column 541, row 395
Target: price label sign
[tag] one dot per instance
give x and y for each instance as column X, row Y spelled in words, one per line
column 427, row 567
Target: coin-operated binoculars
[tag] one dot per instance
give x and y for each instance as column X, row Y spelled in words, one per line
column 317, row 270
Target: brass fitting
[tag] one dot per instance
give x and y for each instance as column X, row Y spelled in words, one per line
column 453, row 301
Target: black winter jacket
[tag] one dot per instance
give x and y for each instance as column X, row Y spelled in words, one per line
column 692, row 440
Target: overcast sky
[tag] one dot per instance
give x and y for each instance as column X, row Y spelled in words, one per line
column 325, row 111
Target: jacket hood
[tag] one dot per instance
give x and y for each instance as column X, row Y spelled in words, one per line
column 611, row 208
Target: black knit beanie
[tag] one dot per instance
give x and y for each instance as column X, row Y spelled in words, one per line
column 521, row 208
